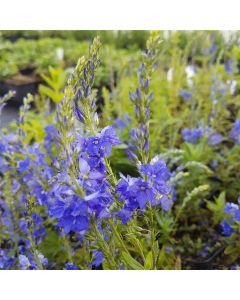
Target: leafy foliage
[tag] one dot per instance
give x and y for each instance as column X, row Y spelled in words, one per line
column 135, row 165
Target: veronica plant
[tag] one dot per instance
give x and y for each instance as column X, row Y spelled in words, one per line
column 64, row 204
column 142, row 97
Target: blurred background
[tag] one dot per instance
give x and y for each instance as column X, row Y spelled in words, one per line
column 39, row 62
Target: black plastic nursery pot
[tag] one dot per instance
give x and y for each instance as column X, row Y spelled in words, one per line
column 21, row 84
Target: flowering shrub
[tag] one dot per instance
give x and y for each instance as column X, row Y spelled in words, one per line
column 68, row 202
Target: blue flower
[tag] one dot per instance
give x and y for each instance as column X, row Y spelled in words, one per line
column 233, row 210
column 51, row 136
column 28, row 262
column 192, row 135
column 71, row 214
column 119, row 123
column 43, row 260
column 212, row 137
column 2, row 148
column 235, row 133
column 6, row 260
column 24, row 165
column 228, row 66
column 236, row 267
column 230, row 208
column 101, row 144
column 23, row 225
column 165, row 203
column 227, row 230
column 136, row 192
column 124, row 215
column 185, row 94
column 24, row 262
column 143, row 193
column 215, row 139
column 212, row 48
column 70, row 266
column 214, row 163
column 237, row 215
column 157, row 172
column 98, row 258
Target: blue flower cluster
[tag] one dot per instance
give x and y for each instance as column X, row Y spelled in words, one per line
column 27, row 174
column 151, row 187
column 193, row 135
column 71, row 200
column 232, row 210
column 31, row 262
column 73, row 188
column 235, row 133
column 139, row 145
column 68, row 189
column 75, row 200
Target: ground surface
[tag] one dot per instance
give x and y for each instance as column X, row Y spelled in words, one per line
column 9, row 114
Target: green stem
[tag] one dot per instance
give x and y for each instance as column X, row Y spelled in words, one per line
column 152, row 237
column 105, row 249
column 118, row 236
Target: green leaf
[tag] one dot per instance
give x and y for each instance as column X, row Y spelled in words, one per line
column 131, row 263
column 230, row 250
column 136, row 243
column 221, row 200
column 53, row 95
column 195, row 192
column 198, row 165
column 161, row 256
column 148, row 262
column 105, row 265
column 217, row 207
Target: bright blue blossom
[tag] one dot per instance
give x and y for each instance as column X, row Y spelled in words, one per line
column 136, row 192
column 71, row 213
column 233, row 211
column 101, row 144
column 142, row 192
column 70, row 266
column 24, row 165
column 157, row 172
column 227, row 230
column 230, row 208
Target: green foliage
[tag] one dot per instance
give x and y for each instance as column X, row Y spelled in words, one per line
column 131, row 263
column 157, row 240
column 217, row 207
column 56, row 82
